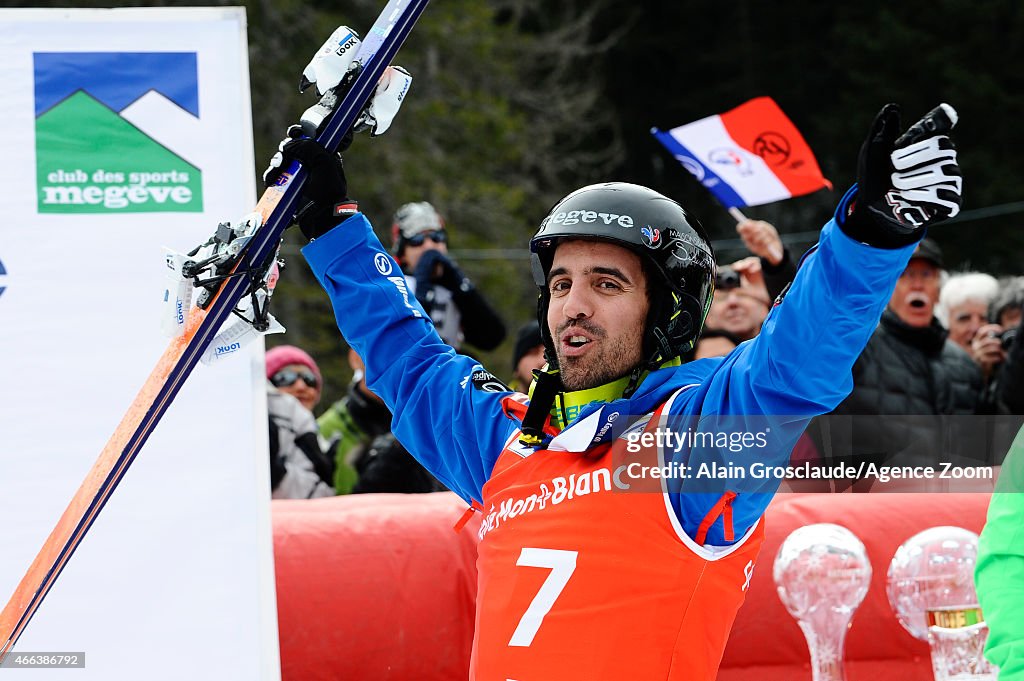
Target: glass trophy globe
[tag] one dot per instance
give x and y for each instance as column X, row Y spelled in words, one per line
column 822, row 573
column 930, row 585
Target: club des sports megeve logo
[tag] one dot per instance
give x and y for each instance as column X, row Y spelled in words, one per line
column 104, row 125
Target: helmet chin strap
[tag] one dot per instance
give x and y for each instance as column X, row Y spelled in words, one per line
column 637, row 376
column 548, row 397
column 546, row 384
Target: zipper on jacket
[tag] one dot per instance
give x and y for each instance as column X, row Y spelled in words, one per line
column 467, row 514
column 723, row 508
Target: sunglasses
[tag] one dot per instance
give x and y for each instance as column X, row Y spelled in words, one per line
column 438, row 236
column 287, row 377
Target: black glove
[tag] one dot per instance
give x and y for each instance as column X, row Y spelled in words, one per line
column 905, row 182
column 324, row 202
column 450, row 277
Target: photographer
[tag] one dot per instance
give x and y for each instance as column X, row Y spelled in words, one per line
column 741, row 300
column 963, row 309
column 1006, row 313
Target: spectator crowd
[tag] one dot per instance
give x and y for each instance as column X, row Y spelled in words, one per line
column 349, row 448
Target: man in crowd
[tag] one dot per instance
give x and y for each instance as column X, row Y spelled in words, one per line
column 527, row 355
column 1008, row 303
column 741, row 301
column 1006, row 313
column 351, row 424
column 367, row 457
column 460, row 313
column 638, row 586
column 714, row 343
column 745, row 289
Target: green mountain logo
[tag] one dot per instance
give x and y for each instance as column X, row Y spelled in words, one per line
column 90, row 160
column 102, row 121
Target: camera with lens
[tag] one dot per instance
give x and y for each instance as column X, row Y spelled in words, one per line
column 726, row 278
column 1008, row 315
column 1007, row 337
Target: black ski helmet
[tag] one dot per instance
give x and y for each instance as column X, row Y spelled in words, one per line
column 671, row 243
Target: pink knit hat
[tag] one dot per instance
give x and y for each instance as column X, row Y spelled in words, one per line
column 283, row 355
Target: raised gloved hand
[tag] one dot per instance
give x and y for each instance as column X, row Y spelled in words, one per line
column 906, row 182
column 324, row 202
column 434, row 267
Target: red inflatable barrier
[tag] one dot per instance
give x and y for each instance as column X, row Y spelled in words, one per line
column 381, row 587
column 374, row 586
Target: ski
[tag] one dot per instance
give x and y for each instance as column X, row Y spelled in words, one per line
column 246, row 272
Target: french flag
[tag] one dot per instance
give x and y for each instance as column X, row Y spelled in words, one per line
column 748, row 156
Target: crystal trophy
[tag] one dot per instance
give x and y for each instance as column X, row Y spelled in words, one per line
column 822, row 573
column 931, row 589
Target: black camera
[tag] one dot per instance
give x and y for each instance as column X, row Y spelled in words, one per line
column 1007, row 337
column 726, row 278
column 1003, row 315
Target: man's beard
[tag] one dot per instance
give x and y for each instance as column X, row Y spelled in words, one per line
column 612, row 361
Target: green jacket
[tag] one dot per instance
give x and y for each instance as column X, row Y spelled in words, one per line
column 999, row 576
column 353, row 422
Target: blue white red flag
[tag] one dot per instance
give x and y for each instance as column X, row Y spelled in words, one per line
column 748, row 156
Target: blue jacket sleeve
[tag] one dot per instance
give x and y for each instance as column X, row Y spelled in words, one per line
column 798, row 367
column 453, row 428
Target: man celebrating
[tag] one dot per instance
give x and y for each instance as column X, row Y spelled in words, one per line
column 578, row 579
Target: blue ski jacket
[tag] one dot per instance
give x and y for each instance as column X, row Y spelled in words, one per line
column 450, row 417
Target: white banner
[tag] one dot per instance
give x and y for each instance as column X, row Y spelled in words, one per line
column 127, row 130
